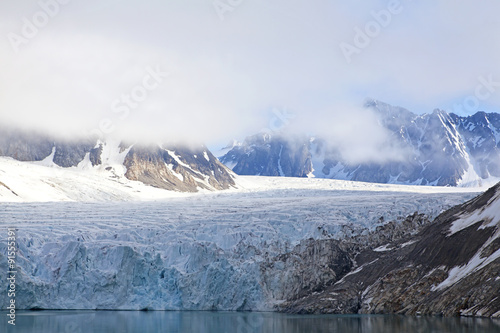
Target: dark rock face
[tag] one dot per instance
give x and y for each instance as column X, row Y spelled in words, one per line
column 189, row 170
column 481, row 135
column 70, row 154
column 23, row 146
column 267, row 155
column 310, row 267
column 439, row 149
column 95, row 155
column 437, row 271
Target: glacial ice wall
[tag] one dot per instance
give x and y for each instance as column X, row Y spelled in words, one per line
column 234, row 251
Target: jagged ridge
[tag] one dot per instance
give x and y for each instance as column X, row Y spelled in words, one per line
column 438, row 149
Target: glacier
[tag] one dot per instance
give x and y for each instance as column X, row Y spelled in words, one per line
column 206, row 251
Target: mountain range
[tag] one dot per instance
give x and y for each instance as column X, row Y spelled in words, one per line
column 439, row 148
column 175, row 167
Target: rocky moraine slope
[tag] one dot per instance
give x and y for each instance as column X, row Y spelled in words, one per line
column 450, row 267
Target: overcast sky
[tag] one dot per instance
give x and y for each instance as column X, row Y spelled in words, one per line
column 102, row 64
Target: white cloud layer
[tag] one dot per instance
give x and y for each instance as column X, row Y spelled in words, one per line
column 74, row 74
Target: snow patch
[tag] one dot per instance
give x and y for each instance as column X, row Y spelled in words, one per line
column 488, row 215
column 280, row 170
column 475, row 264
column 178, row 175
column 47, row 161
column 408, row 243
column 176, row 158
column 383, row 248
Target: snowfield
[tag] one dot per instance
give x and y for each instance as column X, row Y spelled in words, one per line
column 44, row 182
column 120, row 244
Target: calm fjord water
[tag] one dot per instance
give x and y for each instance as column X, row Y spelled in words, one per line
column 234, row 322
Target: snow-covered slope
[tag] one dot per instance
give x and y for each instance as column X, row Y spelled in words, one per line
column 224, row 250
column 44, row 181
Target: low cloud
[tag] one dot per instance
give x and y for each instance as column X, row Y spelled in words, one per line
column 352, row 131
column 225, row 76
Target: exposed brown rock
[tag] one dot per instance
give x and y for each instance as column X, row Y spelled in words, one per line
column 150, row 165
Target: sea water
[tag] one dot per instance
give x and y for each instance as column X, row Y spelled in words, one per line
column 233, row 322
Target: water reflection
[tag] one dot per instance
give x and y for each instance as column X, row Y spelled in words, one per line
column 219, row 322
